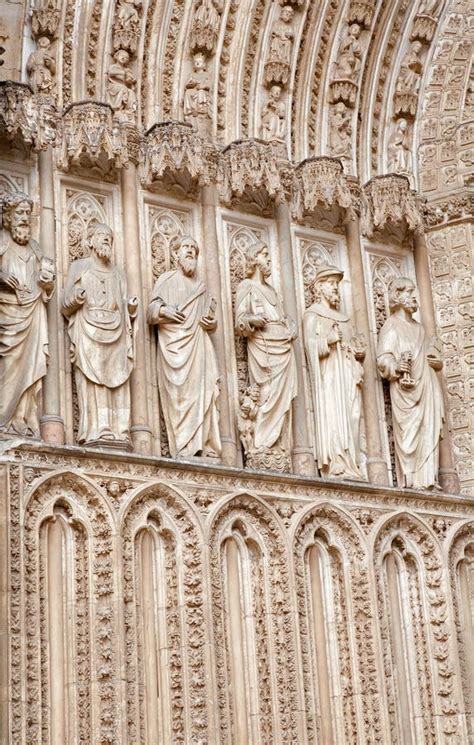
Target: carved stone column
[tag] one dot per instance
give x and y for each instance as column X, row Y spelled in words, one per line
column 376, row 465
column 226, row 405
column 448, row 477
column 51, row 423
column 140, row 429
column 302, row 454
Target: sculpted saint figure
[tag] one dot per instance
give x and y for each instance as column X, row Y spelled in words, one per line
column 349, row 54
column 259, row 317
column 273, row 116
column 410, row 70
column 399, row 155
column 340, row 132
column 334, row 356
column 101, row 333
column 188, row 377
column 282, row 37
column 197, row 95
column 120, row 87
column 41, row 67
column 408, row 360
column 26, row 285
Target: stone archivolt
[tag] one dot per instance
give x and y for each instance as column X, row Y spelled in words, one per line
column 236, row 598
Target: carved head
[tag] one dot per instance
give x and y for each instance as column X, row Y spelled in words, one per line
column 121, row 57
column 402, row 125
column 340, row 108
column 401, row 294
column 258, row 257
column 16, row 214
column 416, row 47
column 354, row 30
column 44, row 42
column 287, row 13
column 326, row 287
column 187, row 253
column 275, row 92
column 199, row 61
column 100, row 239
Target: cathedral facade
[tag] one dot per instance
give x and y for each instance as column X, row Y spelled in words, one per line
column 236, row 372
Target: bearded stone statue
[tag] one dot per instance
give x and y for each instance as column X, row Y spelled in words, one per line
column 26, row 285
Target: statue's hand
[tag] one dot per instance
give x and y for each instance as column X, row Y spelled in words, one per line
column 80, row 296
column 258, row 321
column 171, row 313
column 403, row 366
column 46, row 279
column 208, row 324
column 132, row 306
column 435, row 362
column 9, row 280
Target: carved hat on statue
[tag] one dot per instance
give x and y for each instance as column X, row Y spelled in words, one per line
column 326, row 271
column 8, row 203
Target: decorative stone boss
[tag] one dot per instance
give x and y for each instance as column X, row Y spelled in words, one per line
column 26, row 285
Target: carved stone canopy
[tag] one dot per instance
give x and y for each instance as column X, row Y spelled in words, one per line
column 320, row 183
column 44, row 21
column 92, row 138
column 405, row 104
column 25, row 118
column 249, row 169
column 343, row 90
column 389, row 203
column 424, row 27
column 174, row 148
column 361, row 12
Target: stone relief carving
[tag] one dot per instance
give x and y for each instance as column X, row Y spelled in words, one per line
column 188, row 376
column 101, row 317
column 277, row 67
column 83, row 210
column 126, row 29
column 259, row 317
column 205, row 28
column 340, row 133
column 348, row 60
column 399, row 149
column 406, row 91
column 409, row 360
column 273, row 116
column 334, row 356
column 26, row 285
column 25, row 118
column 121, row 81
column 197, row 96
column 41, row 68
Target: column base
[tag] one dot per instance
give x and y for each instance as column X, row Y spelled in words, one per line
column 142, row 439
column 303, row 462
column 449, row 480
column 377, row 471
column 52, row 429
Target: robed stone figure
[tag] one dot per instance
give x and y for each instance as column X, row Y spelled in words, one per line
column 101, row 320
column 259, row 316
column 188, row 376
column 407, row 359
column 26, row 285
column 334, row 357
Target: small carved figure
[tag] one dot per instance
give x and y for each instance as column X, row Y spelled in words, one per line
column 410, row 70
column 101, row 320
column 26, row 285
column 408, row 360
column 249, row 404
column 197, row 95
column 188, row 376
column 334, row 356
column 349, row 55
column 282, row 37
column 340, row 132
column 260, row 318
column 429, row 7
column 273, row 125
column 205, row 26
column 127, row 16
column 41, row 68
column 399, row 155
column 120, row 88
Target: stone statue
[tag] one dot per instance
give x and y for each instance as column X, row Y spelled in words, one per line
column 197, row 95
column 282, row 37
column 334, row 356
column 26, row 285
column 188, row 376
column 349, row 55
column 273, row 126
column 101, row 332
column 408, row 360
column 41, row 68
column 259, row 317
column 120, row 88
column 340, row 132
column 410, row 70
column 399, row 155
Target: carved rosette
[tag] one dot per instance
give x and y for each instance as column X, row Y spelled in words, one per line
column 424, row 28
column 320, row 182
column 361, row 12
column 343, row 90
column 176, row 148
column 389, row 199
column 27, row 118
column 92, row 138
column 250, row 166
column 44, row 21
column 405, row 104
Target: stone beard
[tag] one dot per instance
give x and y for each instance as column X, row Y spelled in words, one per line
column 259, row 317
column 188, row 376
column 101, row 333
column 417, row 404
column 334, row 355
column 26, row 285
